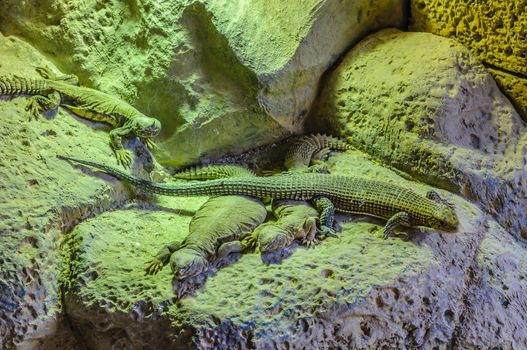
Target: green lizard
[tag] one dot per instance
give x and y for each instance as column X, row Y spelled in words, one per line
column 87, row 103
column 347, row 194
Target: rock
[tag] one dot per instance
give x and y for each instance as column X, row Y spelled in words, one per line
column 42, row 198
column 494, row 315
column 423, row 104
column 494, row 31
column 353, row 291
column 203, row 68
column 514, row 87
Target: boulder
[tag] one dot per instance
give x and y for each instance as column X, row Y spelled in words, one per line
column 353, row 291
column 42, row 199
column 222, row 77
column 422, row 103
column 494, row 31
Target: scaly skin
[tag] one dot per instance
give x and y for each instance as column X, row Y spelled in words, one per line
column 311, row 150
column 398, row 205
column 218, row 222
column 87, row 103
column 213, row 172
column 295, row 220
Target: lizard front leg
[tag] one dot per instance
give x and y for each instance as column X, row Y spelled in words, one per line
column 327, row 216
column 161, row 259
column 37, row 104
column 309, row 232
column 116, row 143
column 401, row 218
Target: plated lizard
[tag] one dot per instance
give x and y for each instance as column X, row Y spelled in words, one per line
column 396, row 204
column 87, row 103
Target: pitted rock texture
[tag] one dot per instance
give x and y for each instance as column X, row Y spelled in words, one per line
column 495, row 31
column 353, row 291
column 513, row 86
column 40, row 201
column 203, row 68
column 424, row 104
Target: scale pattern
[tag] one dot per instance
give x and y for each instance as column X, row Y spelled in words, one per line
column 213, row 172
column 348, row 194
column 304, row 148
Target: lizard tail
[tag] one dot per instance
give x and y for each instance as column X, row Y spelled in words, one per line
column 332, row 142
column 13, row 85
column 121, row 175
column 203, row 188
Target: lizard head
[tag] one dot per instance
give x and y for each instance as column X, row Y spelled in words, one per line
column 445, row 218
column 272, row 238
column 144, row 126
column 187, row 263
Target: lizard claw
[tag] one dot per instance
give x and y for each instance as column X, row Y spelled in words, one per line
column 310, row 242
column 153, row 266
column 150, row 144
column 251, row 241
column 325, row 232
column 33, row 107
column 387, row 234
column 124, row 157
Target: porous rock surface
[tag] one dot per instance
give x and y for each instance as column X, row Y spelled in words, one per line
column 42, row 198
column 429, row 290
column 424, row 104
column 495, row 31
column 203, row 68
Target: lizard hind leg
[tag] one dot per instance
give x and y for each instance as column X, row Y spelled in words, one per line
column 46, row 73
column 38, row 103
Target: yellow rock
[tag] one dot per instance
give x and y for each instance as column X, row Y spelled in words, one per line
column 496, row 31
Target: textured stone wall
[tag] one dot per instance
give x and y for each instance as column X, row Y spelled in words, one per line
column 495, row 31
column 204, row 68
column 425, row 104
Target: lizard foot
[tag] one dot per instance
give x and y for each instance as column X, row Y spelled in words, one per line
column 251, row 241
column 34, row 108
column 124, row 157
column 325, row 232
column 153, row 266
column 46, row 73
column 149, row 143
column 310, row 242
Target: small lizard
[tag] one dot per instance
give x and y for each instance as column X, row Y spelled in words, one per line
column 347, row 194
column 218, row 222
column 295, row 220
column 87, row 103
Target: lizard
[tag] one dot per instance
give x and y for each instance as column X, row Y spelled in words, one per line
column 49, row 92
column 218, row 221
column 295, row 220
column 209, row 231
column 398, row 205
